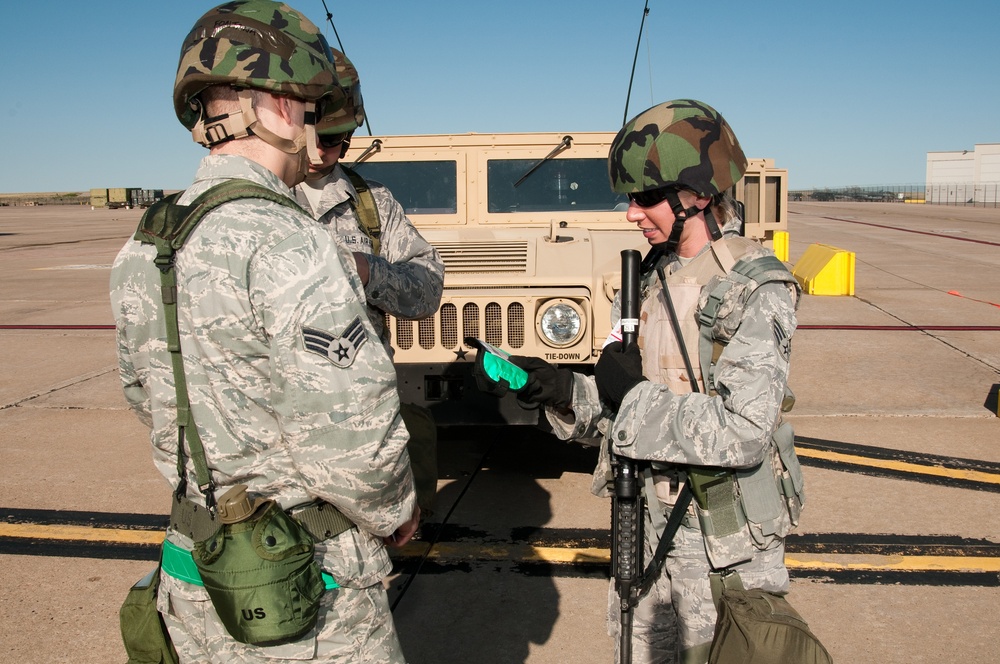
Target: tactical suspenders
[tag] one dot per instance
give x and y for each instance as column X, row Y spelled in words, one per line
column 167, row 225
column 366, row 210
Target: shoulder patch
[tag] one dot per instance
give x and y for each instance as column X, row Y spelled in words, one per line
column 781, row 340
column 340, row 350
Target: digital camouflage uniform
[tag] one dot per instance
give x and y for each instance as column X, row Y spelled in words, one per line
column 293, row 424
column 680, row 429
column 405, row 279
column 661, row 420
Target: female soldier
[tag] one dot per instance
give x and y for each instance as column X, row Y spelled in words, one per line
column 698, row 403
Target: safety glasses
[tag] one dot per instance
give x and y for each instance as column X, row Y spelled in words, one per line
column 652, row 197
column 329, row 141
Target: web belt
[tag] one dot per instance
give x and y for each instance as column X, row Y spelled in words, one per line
column 322, row 520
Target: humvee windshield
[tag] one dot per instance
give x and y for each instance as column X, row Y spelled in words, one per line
column 556, row 185
column 429, row 187
column 421, row 187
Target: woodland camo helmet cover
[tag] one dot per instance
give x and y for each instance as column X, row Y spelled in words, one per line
column 351, row 115
column 684, row 143
column 254, row 44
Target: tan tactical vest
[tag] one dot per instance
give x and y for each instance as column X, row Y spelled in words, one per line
column 707, row 321
column 662, row 361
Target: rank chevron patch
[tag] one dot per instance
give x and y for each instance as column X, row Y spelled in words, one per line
column 781, row 339
column 339, row 350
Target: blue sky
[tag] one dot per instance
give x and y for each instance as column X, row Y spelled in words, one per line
column 853, row 92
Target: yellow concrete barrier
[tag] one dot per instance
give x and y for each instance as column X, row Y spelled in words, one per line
column 825, row 270
column 781, row 245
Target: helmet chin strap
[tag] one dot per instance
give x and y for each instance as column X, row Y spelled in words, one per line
column 230, row 126
column 681, row 215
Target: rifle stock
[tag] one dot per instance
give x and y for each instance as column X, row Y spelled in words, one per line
column 626, row 511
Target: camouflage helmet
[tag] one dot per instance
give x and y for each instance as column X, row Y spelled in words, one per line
column 352, row 114
column 681, row 142
column 254, row 44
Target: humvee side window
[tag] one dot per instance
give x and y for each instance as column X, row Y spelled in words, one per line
column 421, row 187
column 556, row 185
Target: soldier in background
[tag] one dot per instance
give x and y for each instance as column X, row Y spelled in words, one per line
column 402, row 273
column 675, row 161
column 297, row 422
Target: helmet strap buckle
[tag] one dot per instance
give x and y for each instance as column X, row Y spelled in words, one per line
column 226, row 127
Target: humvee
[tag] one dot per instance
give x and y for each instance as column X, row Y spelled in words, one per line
column 531, row 236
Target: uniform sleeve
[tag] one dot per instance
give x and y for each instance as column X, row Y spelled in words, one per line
column 731, row 429
column 407, row 278
column 585, row 418
column 333, row 385
column 136, row 393
column 125, row 306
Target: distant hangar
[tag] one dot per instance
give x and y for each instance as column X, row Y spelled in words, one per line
column 964, row 176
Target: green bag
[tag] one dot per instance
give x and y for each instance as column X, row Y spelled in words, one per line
column 758, row 627
column 262, row 576
column 145, row 636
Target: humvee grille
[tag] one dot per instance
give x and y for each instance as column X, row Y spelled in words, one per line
column 471, row 257
column 493, row 323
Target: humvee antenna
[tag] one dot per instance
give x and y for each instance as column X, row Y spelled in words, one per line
column 329, row 19
column 628, row 97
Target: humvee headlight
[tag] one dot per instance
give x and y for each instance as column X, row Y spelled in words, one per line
column 560, row 322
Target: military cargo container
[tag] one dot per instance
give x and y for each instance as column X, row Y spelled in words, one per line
column 98, row 198
column 127, row 197
column 143, row 198
column 118, row 198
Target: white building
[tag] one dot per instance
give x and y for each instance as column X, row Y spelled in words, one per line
column 959, row 177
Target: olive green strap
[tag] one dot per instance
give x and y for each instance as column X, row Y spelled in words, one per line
column 366, row 210
column 727, row 579
column 753, row 271
column 167, row 226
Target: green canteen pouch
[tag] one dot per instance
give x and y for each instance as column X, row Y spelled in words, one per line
column 144, row 635
column 261, row 576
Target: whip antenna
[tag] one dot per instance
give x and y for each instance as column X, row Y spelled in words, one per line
column 645, row 12
column 329, row 19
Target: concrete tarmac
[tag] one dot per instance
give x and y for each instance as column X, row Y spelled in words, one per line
column 895, row 560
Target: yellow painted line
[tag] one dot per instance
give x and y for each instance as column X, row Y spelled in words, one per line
column 901, row 563
column 517, row 553
column 599, row 556
column 888, row 464
column 520, row 553
column 81, row 533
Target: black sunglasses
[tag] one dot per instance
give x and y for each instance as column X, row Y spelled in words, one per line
column 329, row 141
column 650, row 198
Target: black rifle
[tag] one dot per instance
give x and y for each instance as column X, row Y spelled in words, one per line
column 627, row 502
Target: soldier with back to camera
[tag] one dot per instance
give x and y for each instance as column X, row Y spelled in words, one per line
column 290, row 393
